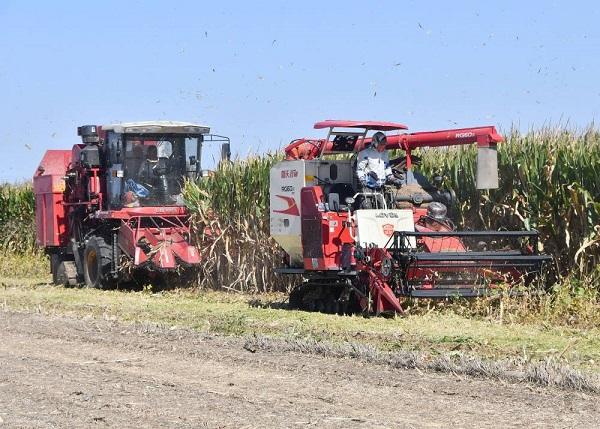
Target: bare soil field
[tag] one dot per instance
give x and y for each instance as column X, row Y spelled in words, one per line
column 60, row 372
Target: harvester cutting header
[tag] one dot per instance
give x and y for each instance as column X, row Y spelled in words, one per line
column 115, row 200
column 364, row 230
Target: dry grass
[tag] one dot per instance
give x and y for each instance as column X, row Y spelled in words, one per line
column 30, row 266
column 435, row 333
column 547, row 372
column 570, row 302
column 230, row 215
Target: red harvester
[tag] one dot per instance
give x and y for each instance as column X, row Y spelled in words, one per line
column 354, row 258
column 114, row 201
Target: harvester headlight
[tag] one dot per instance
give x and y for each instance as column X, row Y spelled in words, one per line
column 349, row 200
column 437, row 211
column 386, row 267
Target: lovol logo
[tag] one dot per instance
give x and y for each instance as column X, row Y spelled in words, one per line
column 465, row 135
column 388, row 229
column 289, row 174
column 386, row 215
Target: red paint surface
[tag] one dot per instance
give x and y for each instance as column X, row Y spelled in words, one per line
column 292, row 208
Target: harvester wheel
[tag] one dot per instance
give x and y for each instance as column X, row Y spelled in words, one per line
column 64, row 271
column 67, row 274
column 97, row 261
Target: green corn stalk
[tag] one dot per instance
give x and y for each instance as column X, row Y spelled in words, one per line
column 549, row 180
column 17, row 219
column 230, row 217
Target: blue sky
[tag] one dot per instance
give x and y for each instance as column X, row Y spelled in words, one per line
column 264, row 72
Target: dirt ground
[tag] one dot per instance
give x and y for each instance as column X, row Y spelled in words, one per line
column 62, row 372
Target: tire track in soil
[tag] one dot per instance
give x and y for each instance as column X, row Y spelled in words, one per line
column 63, row 372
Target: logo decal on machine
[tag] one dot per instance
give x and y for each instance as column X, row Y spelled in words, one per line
column 292, row 208
column 388, row 229
column 289, row 174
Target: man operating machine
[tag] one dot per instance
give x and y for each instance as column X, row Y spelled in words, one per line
column 373, row 171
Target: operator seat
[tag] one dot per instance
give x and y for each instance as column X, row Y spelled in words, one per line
column 336, row 196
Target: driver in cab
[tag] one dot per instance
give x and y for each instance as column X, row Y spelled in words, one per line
column 373, row 170
column 148, row 165
column 373, row 165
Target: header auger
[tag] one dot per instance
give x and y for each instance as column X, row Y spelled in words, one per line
column 360, row 245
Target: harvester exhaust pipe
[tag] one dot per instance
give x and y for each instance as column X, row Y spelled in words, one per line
column 225, row 152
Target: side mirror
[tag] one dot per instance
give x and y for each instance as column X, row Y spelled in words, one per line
column 192, row 160
column 225, row 151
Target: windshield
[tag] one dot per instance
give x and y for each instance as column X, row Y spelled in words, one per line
column 155, row 168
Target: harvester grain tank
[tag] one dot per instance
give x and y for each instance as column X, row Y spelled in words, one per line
column 363, row 257
column 114, row 201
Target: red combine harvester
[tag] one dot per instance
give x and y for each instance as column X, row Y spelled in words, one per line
column 115, row 201
column 361, row 251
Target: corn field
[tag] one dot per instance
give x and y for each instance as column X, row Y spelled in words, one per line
column 233, row 206
column 549, row 180
column 17, row 228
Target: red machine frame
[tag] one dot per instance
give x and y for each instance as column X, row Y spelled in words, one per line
column 73, row 213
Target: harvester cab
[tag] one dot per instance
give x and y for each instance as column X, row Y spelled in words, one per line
column 115, row 201
column 361, row 249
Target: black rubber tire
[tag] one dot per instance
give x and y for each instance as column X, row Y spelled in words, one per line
column 97, row 262
column 296, row 295
column 64, row 271
column 67, row 273
column 58, row 274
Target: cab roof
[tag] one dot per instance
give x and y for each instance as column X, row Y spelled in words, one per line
column 157, row 127
column 369, row 125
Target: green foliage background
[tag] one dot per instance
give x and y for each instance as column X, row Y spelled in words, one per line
column 17, row 218
column 549, row 180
